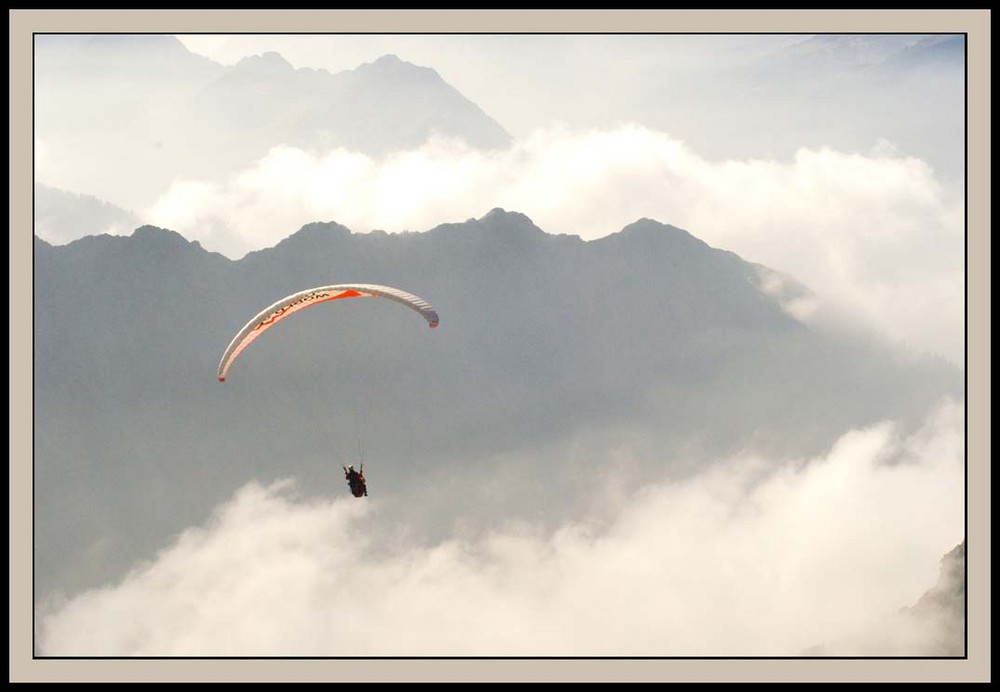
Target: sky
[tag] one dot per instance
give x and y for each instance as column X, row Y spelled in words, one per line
column 849, row 537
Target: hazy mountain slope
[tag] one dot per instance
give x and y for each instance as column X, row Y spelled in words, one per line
column 648, row 338
column 62, row 216
column 147, row 103
column 152, row 58
column 934, row 626
column 852, row 93
column 383, row 106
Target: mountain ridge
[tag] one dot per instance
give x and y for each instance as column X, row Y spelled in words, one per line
column 546, row 342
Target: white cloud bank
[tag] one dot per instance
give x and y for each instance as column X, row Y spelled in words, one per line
column 747, row 559
column 875, row 236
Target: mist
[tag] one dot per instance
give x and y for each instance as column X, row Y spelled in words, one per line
column 748, row 558
column 743, row 95
column 876, row 236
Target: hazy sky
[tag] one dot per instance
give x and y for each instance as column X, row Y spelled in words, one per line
column 752, row 558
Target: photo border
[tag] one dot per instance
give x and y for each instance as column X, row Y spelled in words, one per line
column 975, row 24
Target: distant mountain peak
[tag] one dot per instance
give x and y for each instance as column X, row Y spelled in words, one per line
column 270, row 62
column 312, row 233
column 149, row 42
column 94, row 58
column 392, row 65
column 646, row 223
column 501, row 213
column 852, row 50
column 501, row 219
column 155, row 234
column 651, row 227
column 324, row 228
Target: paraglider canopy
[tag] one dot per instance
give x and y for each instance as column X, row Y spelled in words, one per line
column 289, row 305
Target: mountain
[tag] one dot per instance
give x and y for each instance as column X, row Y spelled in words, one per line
column 61, row 216
column 946, row 50
column 147, row 103
column 845, row 50
column 383, row 106
column 552, row 353
column 150, row 59
column 841, row 91
column 942, row 609
column 880, row 80
column 934, row 626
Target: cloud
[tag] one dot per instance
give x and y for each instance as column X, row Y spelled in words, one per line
column 745, row 559
column 875, row 236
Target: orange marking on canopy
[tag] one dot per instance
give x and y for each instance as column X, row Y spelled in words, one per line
column 350, row 293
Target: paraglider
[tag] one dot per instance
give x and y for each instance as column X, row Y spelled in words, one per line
column 356, row 481
column 289, row 305
column 271, row 315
